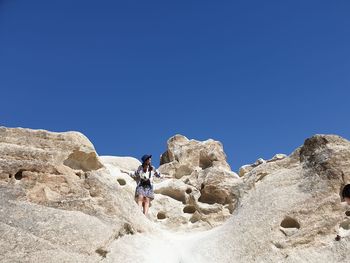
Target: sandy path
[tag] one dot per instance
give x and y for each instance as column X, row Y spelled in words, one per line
column 165, row 246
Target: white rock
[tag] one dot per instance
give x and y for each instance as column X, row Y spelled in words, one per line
column 125, row 163
column 245, row 169
column 288, row 210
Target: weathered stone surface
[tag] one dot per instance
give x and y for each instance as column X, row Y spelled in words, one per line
column 41, row 150
column 287, row 209
column 291, row 210
column 245, row 169
column 57, row 201
column 185, row 155
column 202, row 181
column 125, row 163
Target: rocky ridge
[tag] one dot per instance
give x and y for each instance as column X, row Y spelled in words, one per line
column 61, row 202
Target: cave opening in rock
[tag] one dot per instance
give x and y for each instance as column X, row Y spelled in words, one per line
column 127, row 229
column 188, row 190
column 204, row 161
column 189, row 209
column 121, row 181
column 211, row 195
column 289, row 222
column 161, row 215
column 19, row 175
column 208, row 199
column 102, row 252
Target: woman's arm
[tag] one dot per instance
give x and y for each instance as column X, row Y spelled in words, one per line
column 136, row 174
column 156, row 172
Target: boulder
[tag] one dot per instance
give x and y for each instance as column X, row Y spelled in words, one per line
column 201, row 180
column 57, row 200
column 125, row 163
column 185, row 155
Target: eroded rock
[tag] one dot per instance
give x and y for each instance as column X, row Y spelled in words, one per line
column 202, row 181
column 58, row 203
column 287, row 209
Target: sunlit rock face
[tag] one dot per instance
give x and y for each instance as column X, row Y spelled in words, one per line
column 58, row 203
column 203, row 191
column 61, row 202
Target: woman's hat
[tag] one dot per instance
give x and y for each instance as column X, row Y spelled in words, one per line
column 146, row 157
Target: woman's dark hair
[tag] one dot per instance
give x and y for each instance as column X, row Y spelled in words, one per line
column 145, row 166
column 346, row 191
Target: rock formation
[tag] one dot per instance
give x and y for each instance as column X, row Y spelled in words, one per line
column 247, row 168
column 203, row 190
column 58, row 203
column 199, row 190
column 291, row 211
column 61, row 202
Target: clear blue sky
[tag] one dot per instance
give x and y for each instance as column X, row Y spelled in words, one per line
column 260, row 76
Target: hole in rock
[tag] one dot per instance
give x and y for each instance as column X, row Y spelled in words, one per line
column 165, row 158
column 289, row 222
column 345, row 224
column 127, row 229
column 208, row 199
column 204, row 161
column 121, row 181
column 189, row 209
column 19, row 175
column 347, row 213
column 161, row 215
column 188, row 190
column 102, row 252
column 341, row 191
column 277, row 245
column 80, row 174
column 211, row 194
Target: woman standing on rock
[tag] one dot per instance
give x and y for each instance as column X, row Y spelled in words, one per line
column 144, row 176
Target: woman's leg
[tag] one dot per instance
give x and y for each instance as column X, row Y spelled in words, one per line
column 145, row 211
column 140, row 202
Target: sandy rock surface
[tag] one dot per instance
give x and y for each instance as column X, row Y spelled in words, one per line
column 61, row 202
